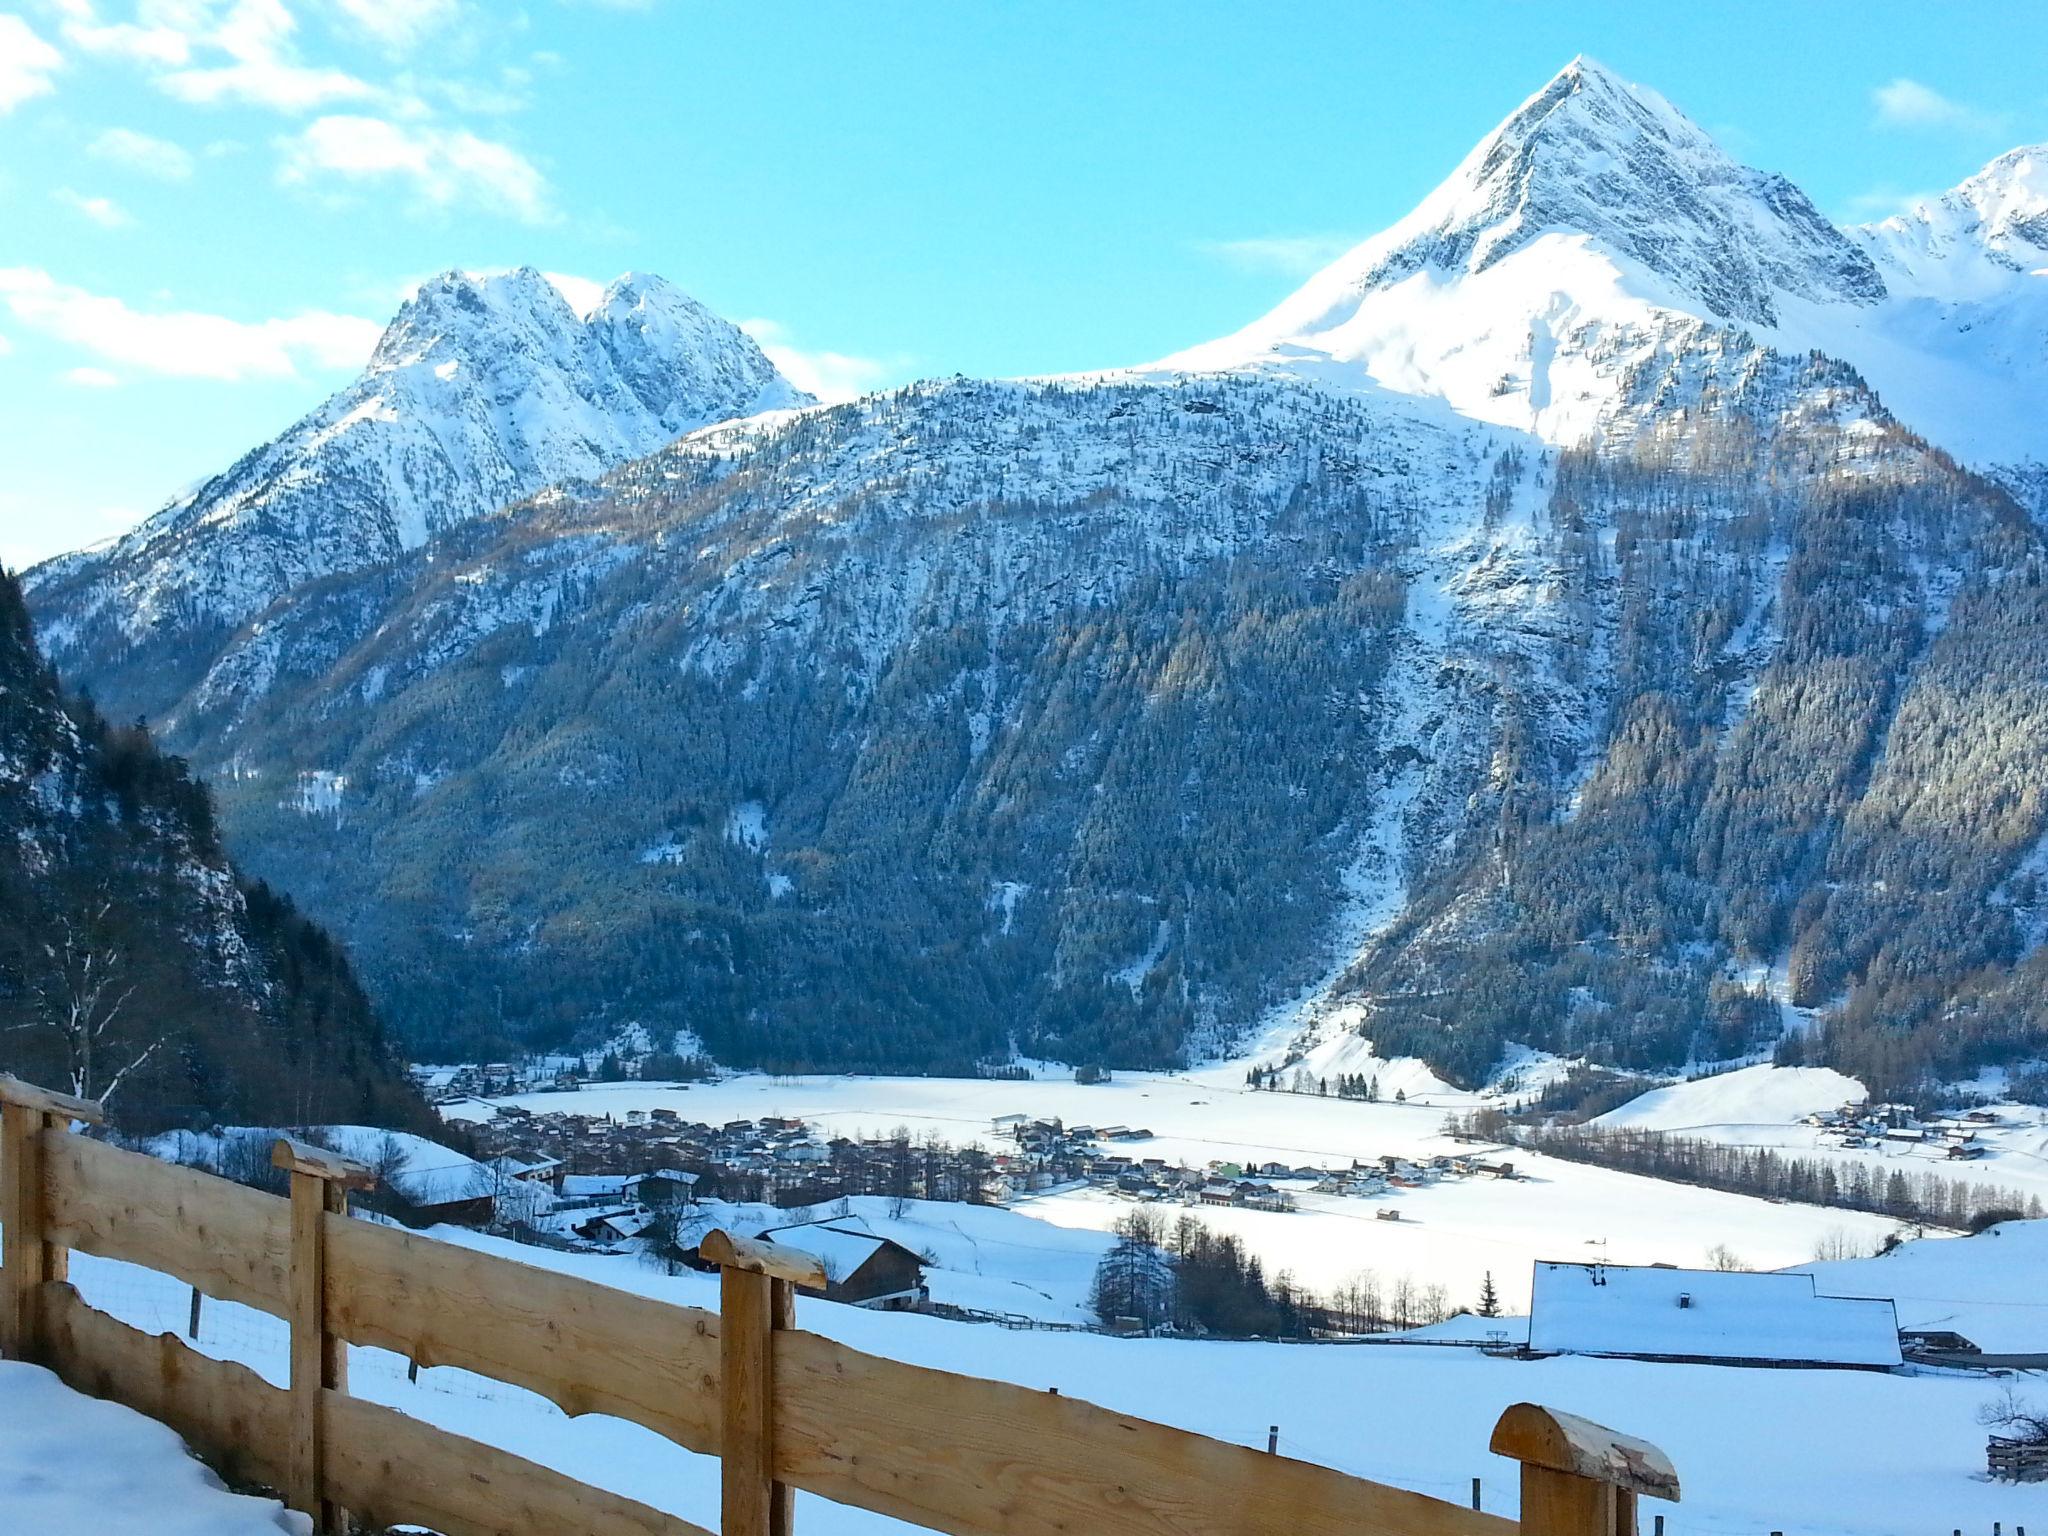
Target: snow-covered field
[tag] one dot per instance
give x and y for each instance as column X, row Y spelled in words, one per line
column 982, row 1258
column 1762, row 1106
column 1450, row 1234
column 1992, row 1288
column 1808, row 1453
column 1754, row 1095
column 72, row 1465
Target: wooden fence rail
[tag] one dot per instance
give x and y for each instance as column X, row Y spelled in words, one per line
column 784, row 1409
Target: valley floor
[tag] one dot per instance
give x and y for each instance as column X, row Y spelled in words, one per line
column 1449, row 1234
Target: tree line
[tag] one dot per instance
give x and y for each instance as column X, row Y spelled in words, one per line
column 1922, row 1196
column 1185, row 1275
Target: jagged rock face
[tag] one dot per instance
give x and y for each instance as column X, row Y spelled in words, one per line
column 482, row 390
column 1617, row 164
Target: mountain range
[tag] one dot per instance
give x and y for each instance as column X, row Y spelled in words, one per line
column 1602, row 613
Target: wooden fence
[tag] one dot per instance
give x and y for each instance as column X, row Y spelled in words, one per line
column 2017, row 1461
column 784, row 1409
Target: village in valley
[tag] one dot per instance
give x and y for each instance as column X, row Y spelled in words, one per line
column 602, row 1179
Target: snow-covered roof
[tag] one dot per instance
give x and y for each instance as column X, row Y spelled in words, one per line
column 1612, row 1309
column 627, row 1223
column 841, row 1249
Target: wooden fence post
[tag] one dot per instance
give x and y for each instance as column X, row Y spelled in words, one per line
column 1580, row 1478
column 321, row 1181
column 757, row 1296
column 30, row 1258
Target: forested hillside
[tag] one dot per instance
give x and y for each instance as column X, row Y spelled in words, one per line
column 1088, row 719
column 1820, row 784
column 136, row 965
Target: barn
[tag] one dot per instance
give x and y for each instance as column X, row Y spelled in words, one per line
column 1655, row 1312
column 860, row 1268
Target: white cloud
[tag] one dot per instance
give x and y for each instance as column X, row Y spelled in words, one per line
column 185, row 343
column 1907, row 103
column 398, row 24
column 213, row 51
column 155, row 157
column 133, row 41
column 1289, row 255
column 103, row 211
column 828, row 375
column 26, row 63
column 272, row 83
column 6, row 346
column 445, row 167
column 91, row 378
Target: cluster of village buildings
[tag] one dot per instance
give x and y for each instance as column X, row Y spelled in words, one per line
column 1896, row 1125
column 602, row 1164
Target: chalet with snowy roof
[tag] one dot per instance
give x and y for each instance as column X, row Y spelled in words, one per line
column 860, row 1268
column 618, row 1224
column 1708, row 1316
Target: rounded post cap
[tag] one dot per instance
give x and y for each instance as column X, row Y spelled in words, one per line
column 1563, row 1442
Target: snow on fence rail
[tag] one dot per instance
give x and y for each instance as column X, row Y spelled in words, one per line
column 783, row 1409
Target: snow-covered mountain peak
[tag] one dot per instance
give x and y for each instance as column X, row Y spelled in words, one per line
column 1598, row 234
column 1596, row 225
column 680, row 359
column 1974, row 240
column 1608, row 168
column 2009, row 199
column 456, row 313
column 485, row 388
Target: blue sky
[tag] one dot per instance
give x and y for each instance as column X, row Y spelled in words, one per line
column 209, row 207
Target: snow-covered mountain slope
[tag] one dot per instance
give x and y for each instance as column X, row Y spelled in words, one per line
column 1097, row 719
column 1598, row 225
column 1960, row 349
column 482, row 390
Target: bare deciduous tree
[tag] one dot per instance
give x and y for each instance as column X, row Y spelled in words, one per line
column 2022, row 1420
column 80, row 982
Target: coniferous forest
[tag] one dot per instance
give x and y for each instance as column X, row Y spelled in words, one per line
column 137, row 964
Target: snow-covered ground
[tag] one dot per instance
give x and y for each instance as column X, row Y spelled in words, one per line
column 1991, row 1288
column 1808, row 1453
column 1753, row 1095
column 1762, row 1106
column 72, row 1465
column 1450, row 1233
column 982, row 1258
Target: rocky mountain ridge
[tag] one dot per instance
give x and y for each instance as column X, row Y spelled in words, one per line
column 1597, row 226
column 482, row 390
